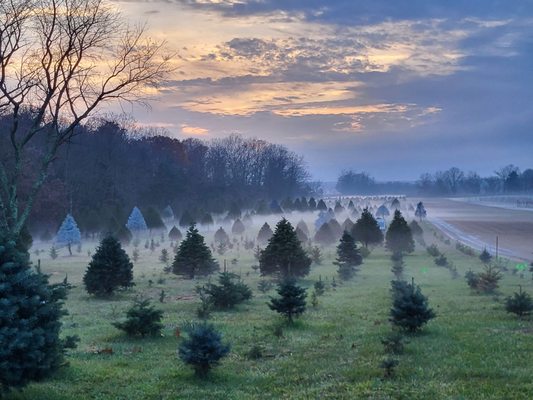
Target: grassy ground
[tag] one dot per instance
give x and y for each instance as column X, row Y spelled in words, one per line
column 472, row 350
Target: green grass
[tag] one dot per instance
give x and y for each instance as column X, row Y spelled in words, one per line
column 472, row 350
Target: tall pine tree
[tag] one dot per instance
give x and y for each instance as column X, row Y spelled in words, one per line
column 284, row 253
column 194, row 258
column 366, row 229
column 136, row 223
column 348, row 257
column 399, row 238
column 109, row 269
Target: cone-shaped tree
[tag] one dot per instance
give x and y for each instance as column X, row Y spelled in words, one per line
column 416, row 229
column 265, row 233
column 347, row 225
column 68, row 234
column 175, row 234
column 520, row 304
column 30, row 315
column 303, row 227
column 238, row 227
column 207, row 220
column 168, row 213
column 338, row 208
column 399, row 238
column 124, row 235
column 136, row 222
column 302, row 237
column 194, row 258
column 366, row 229
column 275, row 208
column 221, row 236
column 186, row 219
column 351, row 205
column 234, row 211
column 321, row 206
column 153, row 219
column 382, row 211
column 287, row 204
column 324, row 235
column 420, row 211
column 284, row 253
column 202, row 348
column 410, row 309
column 109, row 269
column 311, row 204
column 485, row 256
column 336, row 228
column 348, row 257
column 229, row 292
column 291, row 301
column 142, row 319
column 304, row 206
column 395, row 204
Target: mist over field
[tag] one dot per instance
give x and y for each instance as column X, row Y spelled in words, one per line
column 244, row 199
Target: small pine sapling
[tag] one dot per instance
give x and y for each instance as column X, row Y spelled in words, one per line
column 142, row 319
column 520, row 304
column 410, row 310
column 485, row 257
column 389, row 365
column 291, row 302
column 319, row 286
column 203, row 349
column 53, row 253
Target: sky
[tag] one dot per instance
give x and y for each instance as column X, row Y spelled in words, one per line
column 394, row 88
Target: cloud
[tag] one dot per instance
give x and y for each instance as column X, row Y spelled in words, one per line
column 193, row 130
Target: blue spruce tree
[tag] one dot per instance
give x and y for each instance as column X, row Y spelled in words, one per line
column 136, row 222
column 68, row 233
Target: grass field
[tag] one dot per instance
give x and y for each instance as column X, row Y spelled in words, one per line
column 472, row 350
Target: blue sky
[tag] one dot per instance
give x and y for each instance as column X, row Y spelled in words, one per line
column 394, row 88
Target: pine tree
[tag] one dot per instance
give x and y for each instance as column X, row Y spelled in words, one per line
column 416, row 229
column 291, row 302
column 228, row 293
column 399, row 238
column 312, row 204
column 410, row 309
column 303, row 227
column 262, row 208
column 142, row 319
column 324, row 235
column 395, row 204
column 321, row 206
column 68, row 233
column 109, row 269
column 284, row 253
column 366, row 229
column 202, row 348
column 520, row 304
column 234, row 211
column 382, row 211
column 136, row 223
column 53, row 253
column 302, row 237
column 485, row 256
column 175, row 234
column 163, row 257
column 153, row 219
column 186, row 219
column 336, row 228
column 221, row 236
column 348, row 257
column 194, row 258
column 238, row 227
column 264, row 235
column 124, row 235
column 30, row 320
column 347, row 225
column 275, row 208
column 420, row 211
column 168, row 213
column 207, row 220
column 338, row 208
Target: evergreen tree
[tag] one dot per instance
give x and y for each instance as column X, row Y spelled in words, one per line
column 265, row 233
column 124, row 235
column 324, row 235
column 163, row 257
column 284, row 253
column 287, row 205
column 347, row 225
column 321, row 206
column 153, row 219
column 68, row 233
column 416, row 229
column 228, row 293
column 275, row 208
column 221, row 236
column 234, row 211
column 302, row 237
column 366, row 229
column 395, row 204
column 410, row 309
column 348, row 257
column 31, row 310
column 136, row 223
column 202, row 349
column 207, row 220
column 262, row 208
column 304, row 206
column 142, row 319
column 485, row 256
column 238, row 227
column 168, row 213
column 382, row 211
column 186, row 219
column 520, row 304
column 303, row 227
column 311, row 204
column 336, row 228
column 420, row 211
column 109, row 269
column 351, row 205
column 338, row 208
column 399, row 238
column 291, row 302
column 194, row 257
column 297, row 205
column 323, row 218
column 175, row 234
column 53, row 253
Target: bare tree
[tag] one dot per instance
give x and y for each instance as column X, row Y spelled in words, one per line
column 60, row 62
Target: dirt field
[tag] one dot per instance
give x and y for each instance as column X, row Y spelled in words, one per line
column 479, row 225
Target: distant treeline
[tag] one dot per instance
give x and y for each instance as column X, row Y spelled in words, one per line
column 105, row 171
column 508, row 180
